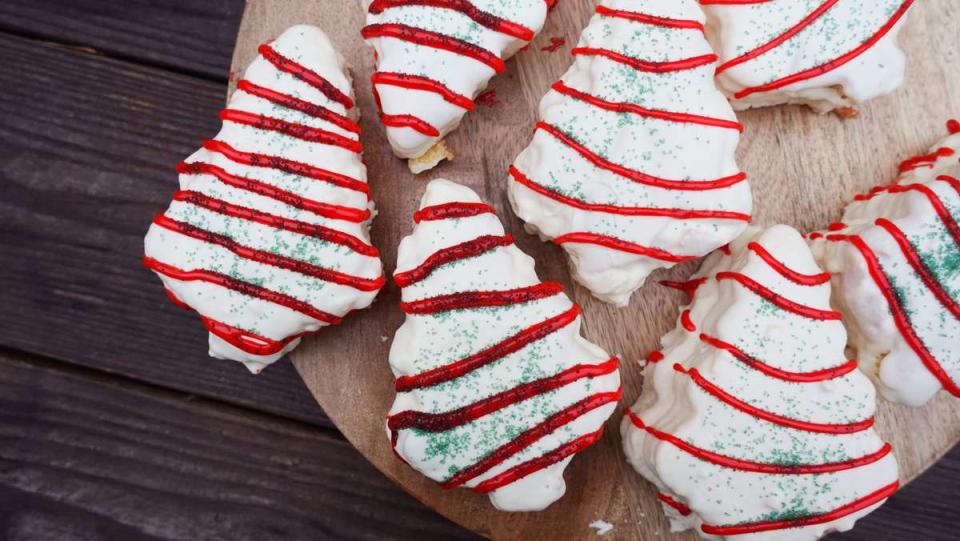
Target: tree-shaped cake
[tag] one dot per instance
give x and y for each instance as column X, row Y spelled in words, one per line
column 496, row 389
column 752, row 421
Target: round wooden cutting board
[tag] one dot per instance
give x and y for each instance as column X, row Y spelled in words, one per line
column 804, row 167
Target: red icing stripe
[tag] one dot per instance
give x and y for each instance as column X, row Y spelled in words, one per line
column 779, row 300
column 335, row 212
column 278, row 222
column 306, row 75
column 482, row 18
column 244, row 288
column 788, row 273
column 481, row 299
column 416, row 82
column 679, row 214
column 681, row 508
column 439, row 422
column 799, row 522
column 621, row 245
column 626, row 107
column 409, row 121
column 489, row 355
column 927, row 160
column 953, row 126
column 734, row 402
column 305, row 107
column 689, row 287
column 637, row 176
column 299, row 131
column 687, row 322
column 449, row 211
column 647, row 65
column 434, row 40
column 897, row 311
column 929, row 280
column 269, row 258
column 759, row 467
column 649, row 19
column 536, row 464
column 781, row 39
column 246, row 341
column 795, row 377
column 938, row 205
column 531, row 436
column 286, row 166
column 464, row 250
column 833, row 64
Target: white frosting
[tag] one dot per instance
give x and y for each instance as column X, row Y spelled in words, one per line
column 672, row 149
column 893, row 361
column 794, row 36
column 427, row 341
column 254, row 316
column 463, row 75
column 792, row 340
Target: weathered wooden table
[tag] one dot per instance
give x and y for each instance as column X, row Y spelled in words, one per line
column 113, row 422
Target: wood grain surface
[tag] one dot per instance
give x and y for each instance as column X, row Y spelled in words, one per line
column 89, row 147
column 804, row 167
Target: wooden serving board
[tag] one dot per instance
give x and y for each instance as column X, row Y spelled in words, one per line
column 804, row 167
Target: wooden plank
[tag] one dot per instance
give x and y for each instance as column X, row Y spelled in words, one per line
column 804, row 168
column 88, row 147
column 85, row 457
column 194, row 37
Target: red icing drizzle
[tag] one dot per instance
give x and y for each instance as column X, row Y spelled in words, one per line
column 306, row 75
column 447, row 211
column 300, row 131
column 734, row 402
column 247, row 341
column 650, row 19
column 481, row 299
column 759, row 467
column 626, row 107
column 858, row 505
column 305, row 107
column 417, row 82
column 680, row 214
column 409, row 121
column 779, row 300
column 245, row 288
column 524, row 440
column 689, row 287
column 482, row 18
column 833, row 64
column 953, row 126
column 278, row 222
column 927, row 160
column 465, row 250
column 269, row 258
column 489, row 355
column 687, row 322
column 786, row 272
column 336, row 212
column 772, row 371
column 681, row 508
column 286, row 166
column 900, row 317
column 488, row 98
column 647, row 65
column 637, row 176
column 434, row 40
column 555, row 44
column 622, row 245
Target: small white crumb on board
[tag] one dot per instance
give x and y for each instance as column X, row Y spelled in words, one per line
column 603, row 527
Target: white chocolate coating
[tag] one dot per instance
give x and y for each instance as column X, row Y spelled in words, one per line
column 458, row 73
column 907, row 337
column 259, row 253
column 747, row 438
column 656, row 173
column 825, row 54
column 428, row 341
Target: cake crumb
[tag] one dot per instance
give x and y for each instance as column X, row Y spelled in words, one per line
column 603, row 527
column 384, row 338
column 430, row 158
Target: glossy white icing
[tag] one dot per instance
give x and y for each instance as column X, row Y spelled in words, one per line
column 636, row 149
column 467, row 22
column 746, row 447
column 903, row 316
column 429, row 341
column 261, row 252
column 823, row 53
